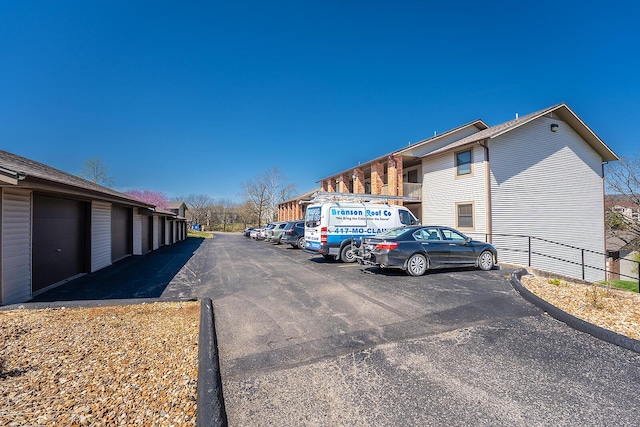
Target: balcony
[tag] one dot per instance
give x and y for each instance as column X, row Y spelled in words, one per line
column 409, row 189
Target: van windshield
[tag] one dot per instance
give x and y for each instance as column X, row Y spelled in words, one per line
column 407, row 218
column 312, row 217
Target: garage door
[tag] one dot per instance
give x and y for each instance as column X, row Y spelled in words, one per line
column 146, row 233
column 161, row 231
column 59, row 239
column 121, row 232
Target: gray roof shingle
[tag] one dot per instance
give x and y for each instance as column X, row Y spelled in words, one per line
column 15, row 164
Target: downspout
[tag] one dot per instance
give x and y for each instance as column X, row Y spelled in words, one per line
column 604, row 228
column 487, row 183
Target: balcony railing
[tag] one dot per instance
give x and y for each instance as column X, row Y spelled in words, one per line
column 409, row 189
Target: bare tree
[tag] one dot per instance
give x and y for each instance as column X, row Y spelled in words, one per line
column 247, row 214
column 95, row 170
column 224, row 213
column 623, row 186
column 265, row 191
column 199, row 208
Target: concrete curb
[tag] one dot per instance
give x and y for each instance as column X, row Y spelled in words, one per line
column 210, row 403
column 572, row 321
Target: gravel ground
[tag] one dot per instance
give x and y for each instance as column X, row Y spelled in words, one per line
column 137, row 364
column 610, row 308
column 119, row 365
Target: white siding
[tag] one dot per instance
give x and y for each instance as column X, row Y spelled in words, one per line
column 548, row 185
column 137, row 233
column 441, row 190
column 100, row 235
column 16, row 246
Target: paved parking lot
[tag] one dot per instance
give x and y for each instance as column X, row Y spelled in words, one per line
column 303, row 341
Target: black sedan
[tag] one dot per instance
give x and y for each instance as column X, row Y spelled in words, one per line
column 417, row 249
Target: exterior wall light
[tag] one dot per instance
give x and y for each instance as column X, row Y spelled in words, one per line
column 554, row 127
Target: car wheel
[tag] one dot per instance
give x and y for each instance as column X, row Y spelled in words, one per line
column 348, row 254
column 485, row 261
column 300, row 243
column 417, row 265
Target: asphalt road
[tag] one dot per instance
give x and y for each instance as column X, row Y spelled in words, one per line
column 303, row 341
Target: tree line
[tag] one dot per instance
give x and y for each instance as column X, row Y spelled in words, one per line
column 260, row 197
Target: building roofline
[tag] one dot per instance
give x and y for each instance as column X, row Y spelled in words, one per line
column 477, row 123
column 562, row 110
column 26, row 170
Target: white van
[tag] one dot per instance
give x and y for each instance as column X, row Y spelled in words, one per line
column 330, row 227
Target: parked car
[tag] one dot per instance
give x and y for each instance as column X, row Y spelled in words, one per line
column 294, row 234
column 417, row 249
column 275, row 233
column 247, row 231
column 264, row 231
column 260, row 232
column 254, row 233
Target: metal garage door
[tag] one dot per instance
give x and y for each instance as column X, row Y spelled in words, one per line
column 59, row 239
column 146, row 233
column 121, row 232
column 162, row 231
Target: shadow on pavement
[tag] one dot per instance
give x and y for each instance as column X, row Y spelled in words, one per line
column 138, row 276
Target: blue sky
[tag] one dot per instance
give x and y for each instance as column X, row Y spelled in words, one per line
column 197, row 97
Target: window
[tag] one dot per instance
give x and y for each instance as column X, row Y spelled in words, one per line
column 463, row 163
column 453, row 235
column 313, row 217
column 427, row 234
column 407, row 218
column 464, row 215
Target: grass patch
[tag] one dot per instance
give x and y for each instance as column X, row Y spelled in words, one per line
column 200, row 234
column 626, row 285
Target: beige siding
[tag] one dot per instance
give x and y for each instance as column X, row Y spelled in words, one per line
column 100, row 235
column 629, row 267
column 441, row 191
column 441, row 141
column 16, row 246
column 548, row 185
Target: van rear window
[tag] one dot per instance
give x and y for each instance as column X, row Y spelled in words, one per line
column 312, row 217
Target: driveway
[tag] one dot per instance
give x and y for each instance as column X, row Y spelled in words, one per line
column 303, row 341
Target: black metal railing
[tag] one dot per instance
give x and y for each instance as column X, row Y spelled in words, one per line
column 533, row 246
